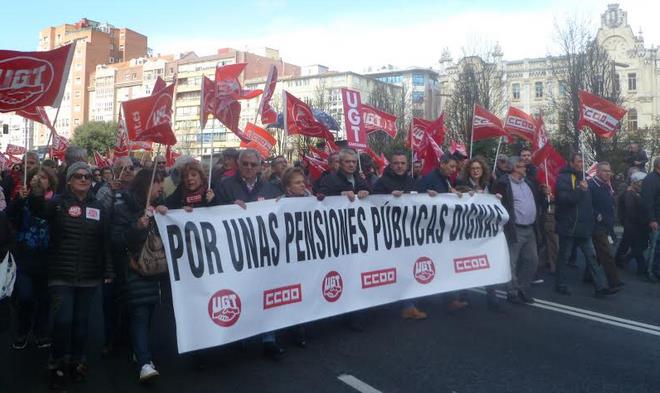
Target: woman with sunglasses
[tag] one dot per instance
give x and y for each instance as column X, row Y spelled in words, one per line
column 78, row 265
column 193, row 189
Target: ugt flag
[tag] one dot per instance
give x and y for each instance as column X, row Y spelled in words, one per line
column 29, row 79
column 150, row 118
column 268, row 114
column 356, row 134
column 602, row 116
column 38, row 114
column 299, row 119
column 377, row 120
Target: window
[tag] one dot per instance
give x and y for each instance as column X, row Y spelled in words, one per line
column 77, row 80
column 76, row 122
column 418, row 80
column 632, row 119
column 515, row 88
column 417, row 97
column 538, row 89
column 632, row 81
column 562, row 89
column 76, row 108
column 617, row 83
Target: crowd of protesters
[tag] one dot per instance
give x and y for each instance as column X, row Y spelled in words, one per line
column 75, row 230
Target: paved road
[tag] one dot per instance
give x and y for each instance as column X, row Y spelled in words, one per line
column 526, row 349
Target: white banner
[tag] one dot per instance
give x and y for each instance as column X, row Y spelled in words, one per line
column 236, row 273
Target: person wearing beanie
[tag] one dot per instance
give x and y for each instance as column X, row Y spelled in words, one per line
column 79, row 263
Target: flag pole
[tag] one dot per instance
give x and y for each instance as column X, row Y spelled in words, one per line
column 25, row 155
column 497, row 153
column 474, row 107
column 580, row 139
column 153, row 176
column 545, row 169
column 210, row 166
column 52, row 129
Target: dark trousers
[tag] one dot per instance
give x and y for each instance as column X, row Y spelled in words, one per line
column 110, row 313
column 140, row 325
column 32, row 305
column 605, row 258
column 70, row 307
column 566, row 244
column 637, row 241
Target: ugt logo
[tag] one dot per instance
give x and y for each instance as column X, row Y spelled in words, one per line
column 224, row 307
column 24, row 80
column 332, row 286
column 424, row 270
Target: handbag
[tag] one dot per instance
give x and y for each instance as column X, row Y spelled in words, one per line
column 7, row 276
column 151, row 260
column 33, row 232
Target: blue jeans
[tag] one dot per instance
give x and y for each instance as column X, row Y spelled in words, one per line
column 140, row 324
column 566, row 244
column 69, row 307
column 31, row 292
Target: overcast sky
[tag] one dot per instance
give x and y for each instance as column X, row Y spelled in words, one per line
column 344, row 35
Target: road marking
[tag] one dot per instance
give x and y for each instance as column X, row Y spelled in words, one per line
column 588, row 314
column 357, row 384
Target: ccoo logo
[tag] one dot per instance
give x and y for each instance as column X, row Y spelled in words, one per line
column 424, row 270
column 24, row 80
column 332, row 286
column 224, row 307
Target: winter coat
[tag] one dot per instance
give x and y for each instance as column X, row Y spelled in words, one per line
column 633, row 216
column 234, row 188
column 651, row 196
column 390, row 181
column 435, row 181
column 574, row 209
column 127, row 239
column 639, row 156
column 602, row 197
column 79, row 230
column 175, row 201
column 336, row 182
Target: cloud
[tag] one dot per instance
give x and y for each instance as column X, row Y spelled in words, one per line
column 356, row 42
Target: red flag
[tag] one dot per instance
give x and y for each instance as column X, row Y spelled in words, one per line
column 356, row 134
column 226, row 78
column 540, row 136
column 150, row 118
column 318, row 154
column 377, row 120
column 599, row 114
column 422, row 131
column 58, row 146
column 458, row 147
column 38, row 114
column 486, row 125
column 101, row 161
column 298, row 119
column 315, row 167
column 158, row 86
column 171, row 156
column 29, row 79
column 553, row 164
column 14, row 159
column 14, row 149
column 121, row 144
column 379, row 161
column 146, row 146
column 4, row 162
column 431, row 155
column 260, row 140
column 223, row 107
column 591, row 171
column 267, row 113
column 520, row 124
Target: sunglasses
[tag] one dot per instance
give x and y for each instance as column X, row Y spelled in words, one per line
column 82, row 176
column 250, row 164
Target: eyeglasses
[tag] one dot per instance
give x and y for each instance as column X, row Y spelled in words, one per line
column 161, row 163
column 250, row 164
column 127, row 168
column 82, row 176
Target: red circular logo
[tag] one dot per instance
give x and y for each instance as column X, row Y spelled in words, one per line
column 225, row 307
column 75, row 211
column 332, row 286
column 30, row 81
column 424, row 270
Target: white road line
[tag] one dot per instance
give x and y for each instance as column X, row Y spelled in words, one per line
column 587, row 314
column 357, row 384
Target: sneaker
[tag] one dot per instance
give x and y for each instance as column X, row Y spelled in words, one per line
column 148, row 372
column 42, row 343
column 57, row 379
column 412, row 313
column 20, row 343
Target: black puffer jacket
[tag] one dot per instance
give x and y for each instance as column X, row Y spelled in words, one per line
column 390, row 181
column 128, row 239
column 79, row 237
column 176, row 200
column 574, row 211
column 651, row 196
column 234, row 188
column 336, row 182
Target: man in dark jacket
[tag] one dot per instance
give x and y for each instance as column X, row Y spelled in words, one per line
column 575, row 223
column 635, row 225
column 346, row 180
column 602, row 196
column 396, row 181
column 522, row 200
column 247, row 186
column 636, row 158
column 439, row 180
column 651, row 203
column 333, row 166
